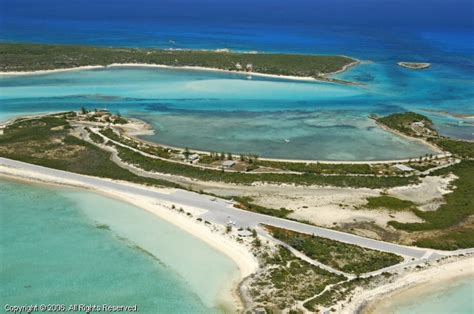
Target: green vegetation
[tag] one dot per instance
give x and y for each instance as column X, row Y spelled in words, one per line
column 459, row 204
column 342, row 256
column 456, row 147
column 320, row 168
column 163, row 166
column 287, row 279
column 246, row 204
column 450, row 226
column 402, row 122
column 389, row 202
column 46, row 141
column 461, row 237
column 150, row 149
column 94, row 137
column 30, row 57
column 452, row 216
column 342, row 291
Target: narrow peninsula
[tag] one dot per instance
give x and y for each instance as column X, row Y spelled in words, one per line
column 17, row 58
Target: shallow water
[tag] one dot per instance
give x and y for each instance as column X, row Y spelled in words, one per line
column 69, row 247
column 457, row 297
column 224, row 112
column 273, row 118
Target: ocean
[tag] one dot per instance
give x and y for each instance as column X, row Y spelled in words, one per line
column 280, row 119
column 66, row 246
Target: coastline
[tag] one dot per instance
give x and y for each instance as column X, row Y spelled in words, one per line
column 414, row 65
column 244, row 260
column 423, row 141
column 368, row 301
column 323, row 78
column 41, row 72
column 440, row 153
column 146, row 129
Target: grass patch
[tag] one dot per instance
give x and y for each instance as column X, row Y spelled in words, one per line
column 96, row 138
column 288, row 279
column 246, row 204
column 450, row 217
column 453, row 239
column 342, row 256
column 320, row 168
column 389, row 202
column 459, row 204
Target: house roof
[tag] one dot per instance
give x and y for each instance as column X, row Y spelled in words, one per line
column 403, row 167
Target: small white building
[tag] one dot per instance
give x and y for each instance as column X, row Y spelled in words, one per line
column 238, row 66
column 249, row 67
column 228, row 164
column 193, row 158
column 404, row 168
column 419, row 123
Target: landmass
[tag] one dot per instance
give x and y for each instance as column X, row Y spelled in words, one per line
column 415, row 65
column 28, row 58
column 306, row 236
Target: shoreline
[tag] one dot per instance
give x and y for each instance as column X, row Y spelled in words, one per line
column 324, row 78
column 414, row 65
column 243, row 259
column 368, row 301
column 421, row 140
column 440, row 153
column 147, row 129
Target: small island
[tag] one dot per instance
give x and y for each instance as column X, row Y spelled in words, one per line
column 415, row 65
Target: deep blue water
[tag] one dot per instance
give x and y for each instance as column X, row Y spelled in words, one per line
column 365, row 29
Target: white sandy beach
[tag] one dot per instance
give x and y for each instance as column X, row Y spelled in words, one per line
column 197, row 68
column 369, row 300
column 40, row 72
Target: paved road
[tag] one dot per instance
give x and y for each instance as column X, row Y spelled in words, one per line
column 221, row 211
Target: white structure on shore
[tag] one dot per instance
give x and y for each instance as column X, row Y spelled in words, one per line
column 228, row 164
column 194, row 158
column 403, row 168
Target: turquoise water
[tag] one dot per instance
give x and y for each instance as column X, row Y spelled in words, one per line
column 227, row 112
column 457, row 298
column 272, row 118
column 52, row 251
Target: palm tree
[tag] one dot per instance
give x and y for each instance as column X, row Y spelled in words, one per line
column 186, row 153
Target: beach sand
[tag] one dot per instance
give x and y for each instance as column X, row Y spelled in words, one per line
column 411, row 283
column 323, row 79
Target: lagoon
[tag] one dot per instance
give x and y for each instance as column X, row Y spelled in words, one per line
column 215, row 111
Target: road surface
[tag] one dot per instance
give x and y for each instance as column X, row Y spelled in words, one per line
column 220, row 211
